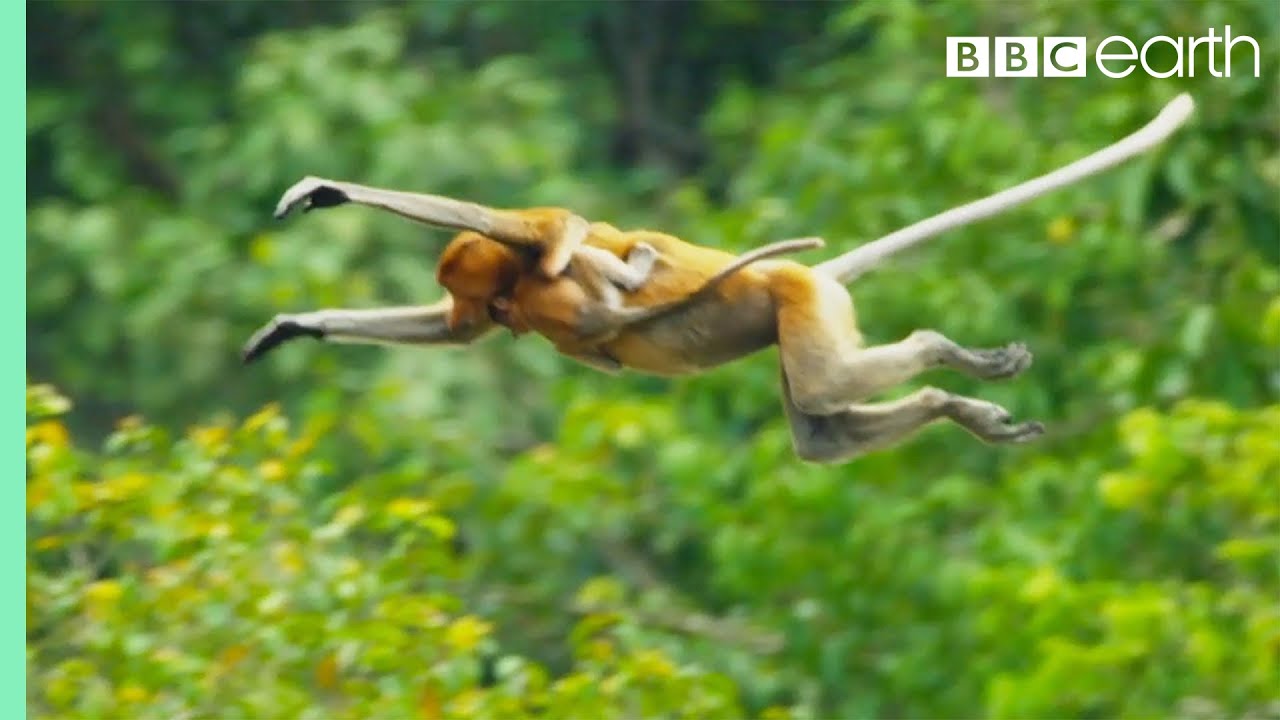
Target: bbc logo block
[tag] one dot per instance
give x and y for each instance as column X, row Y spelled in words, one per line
column 968, row 57
column 1016, row 57
column 1116, row 56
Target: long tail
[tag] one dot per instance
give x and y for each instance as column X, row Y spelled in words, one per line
column 782, row 247
column 850, row 265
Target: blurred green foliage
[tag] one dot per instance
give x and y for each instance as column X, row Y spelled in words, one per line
column 498, row 532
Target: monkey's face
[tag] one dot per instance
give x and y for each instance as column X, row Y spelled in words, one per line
column 476, row 270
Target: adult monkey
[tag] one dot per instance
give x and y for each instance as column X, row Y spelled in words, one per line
column 826, row 372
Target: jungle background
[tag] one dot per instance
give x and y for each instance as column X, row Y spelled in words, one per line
column 495, row 531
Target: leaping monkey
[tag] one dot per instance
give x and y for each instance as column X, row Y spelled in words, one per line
column 654, row 303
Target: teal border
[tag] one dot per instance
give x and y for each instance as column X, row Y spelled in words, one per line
column 13, row 301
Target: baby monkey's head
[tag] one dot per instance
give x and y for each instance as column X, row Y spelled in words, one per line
column 480, row 274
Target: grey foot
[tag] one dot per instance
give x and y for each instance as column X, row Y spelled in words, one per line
column 990, row 422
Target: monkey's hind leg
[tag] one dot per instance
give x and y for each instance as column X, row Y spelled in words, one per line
column 829, row 368
column 861, row 429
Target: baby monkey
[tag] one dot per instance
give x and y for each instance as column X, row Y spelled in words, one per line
column 590, row 307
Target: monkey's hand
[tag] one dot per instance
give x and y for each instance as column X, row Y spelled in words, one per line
column 311, row 192
column 279, row 331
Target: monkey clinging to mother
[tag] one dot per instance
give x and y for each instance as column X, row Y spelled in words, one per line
column 650, row 302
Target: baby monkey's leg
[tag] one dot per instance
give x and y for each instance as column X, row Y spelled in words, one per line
column 603, row 276
column 597, row 267
column 601, row 273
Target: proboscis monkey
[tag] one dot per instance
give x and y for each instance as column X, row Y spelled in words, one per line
column 583, row 308
column 827, row 373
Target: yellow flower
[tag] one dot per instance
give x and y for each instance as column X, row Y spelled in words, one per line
column 407, row 508
column 85, row 493
column 600, row 650
column 272, row 470
column 652, row 664
column 210, row 439
column 123, row 487
column 226, row 661
column 327, row 672
column 49, row 432
column 343, row 520
column 49, row 542
column 349, row 515
column 442, row 527
column 1043, row 584
column 1123, row 490
column 464, row 704
column 429, row 703
column 165, row 655
column 466, row 633
column 261, row 249
column 38, row 492
column 1244, row 548
column 101, row 597
column 1061, row 230
column 259, row 420
column 287, row 556
column 300, row 447
column 131, row 694
column 232, row 656
column 104, row 591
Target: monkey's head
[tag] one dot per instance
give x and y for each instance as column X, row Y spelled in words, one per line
column 476, row 271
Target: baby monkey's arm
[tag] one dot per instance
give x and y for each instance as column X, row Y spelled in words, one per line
column 602, row 273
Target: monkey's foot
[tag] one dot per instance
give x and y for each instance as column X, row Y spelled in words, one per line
column 280, row 330
column 1001, row 363
column 310, row 192
column 641, row 259
column 990, row 422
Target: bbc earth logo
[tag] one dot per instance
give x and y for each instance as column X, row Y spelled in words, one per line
column 1115, row 57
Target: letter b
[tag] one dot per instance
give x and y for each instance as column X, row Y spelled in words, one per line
column 968, row 57
column 1017, row 57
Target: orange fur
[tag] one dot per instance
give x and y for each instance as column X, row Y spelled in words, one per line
column 476, row 270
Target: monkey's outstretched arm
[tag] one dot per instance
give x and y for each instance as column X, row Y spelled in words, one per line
column 555, row 231
column 849, row 266
column 408, row 325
